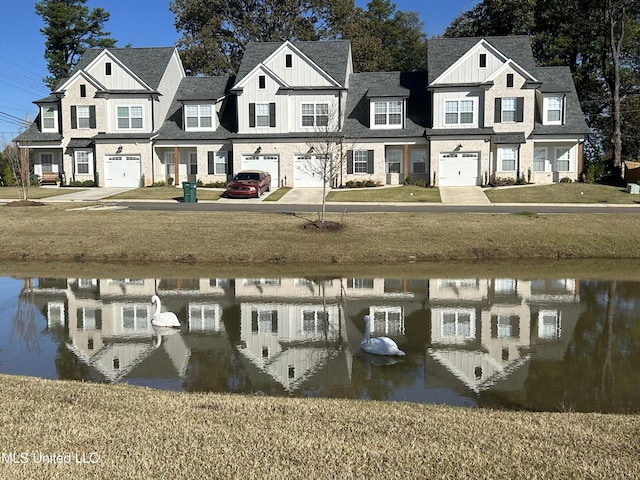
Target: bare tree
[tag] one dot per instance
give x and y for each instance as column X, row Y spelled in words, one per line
column 18, row 159
column 327, row 155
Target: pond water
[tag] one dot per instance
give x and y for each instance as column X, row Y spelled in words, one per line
column 544, row 344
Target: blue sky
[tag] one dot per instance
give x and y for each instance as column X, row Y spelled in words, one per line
column 142, row 23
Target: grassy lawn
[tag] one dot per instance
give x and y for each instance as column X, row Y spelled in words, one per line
column 402, row 193
column 129, row 432
column 277, row 194
column 145, row 237
column 562, row 193
column 36, row 193
column 167, row 193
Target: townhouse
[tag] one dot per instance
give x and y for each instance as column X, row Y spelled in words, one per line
column 482, row 110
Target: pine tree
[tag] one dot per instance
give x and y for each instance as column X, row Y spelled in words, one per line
column 70, row 28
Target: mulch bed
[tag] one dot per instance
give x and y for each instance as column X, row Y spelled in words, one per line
column 25, row 203
column 323, row 226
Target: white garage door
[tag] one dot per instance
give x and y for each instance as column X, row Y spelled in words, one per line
column 307, row 171
column 459, row 170
column 122, row 171
column 266, row 163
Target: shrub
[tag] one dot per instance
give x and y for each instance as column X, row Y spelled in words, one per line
column 161, row 183
column 502, row 181
column 170, row 181
column 565, row 180
column 593, row 173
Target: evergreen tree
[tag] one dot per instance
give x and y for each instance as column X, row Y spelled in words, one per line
column 70, row 28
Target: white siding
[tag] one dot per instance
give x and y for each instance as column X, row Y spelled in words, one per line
column 119, row 79
column 169, row 84
column 439, row 98
column 468, row 70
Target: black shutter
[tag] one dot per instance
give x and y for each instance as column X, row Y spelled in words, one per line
column 272, row 114
column 497, row 112
column 370, row 161
column 349, row 161
column 563, row 115
column 74, row 117
column 92, row 116
column 520, row 109
column 210, row 163
column 252, row 114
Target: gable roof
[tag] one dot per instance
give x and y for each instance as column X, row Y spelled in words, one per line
column 559, row 80
column 442, row 53
column 331, row 56
column 149, row 64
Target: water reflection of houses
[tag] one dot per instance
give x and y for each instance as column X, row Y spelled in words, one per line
column 292, row 331
column 109, row 322
column 299, row 336
column 483, row 331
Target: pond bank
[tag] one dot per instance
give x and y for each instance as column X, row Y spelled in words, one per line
column 117, row 431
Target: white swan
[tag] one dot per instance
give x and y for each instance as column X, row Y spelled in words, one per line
column 163, row 319
column 378, row 345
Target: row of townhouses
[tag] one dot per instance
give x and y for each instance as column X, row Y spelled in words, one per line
column 482, row 110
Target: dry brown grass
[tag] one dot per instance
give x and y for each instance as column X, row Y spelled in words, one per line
column 54, row 232
column 142, row 433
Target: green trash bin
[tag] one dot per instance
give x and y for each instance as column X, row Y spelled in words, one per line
column 189, row 192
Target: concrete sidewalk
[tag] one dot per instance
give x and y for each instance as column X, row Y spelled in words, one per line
column 448, row 196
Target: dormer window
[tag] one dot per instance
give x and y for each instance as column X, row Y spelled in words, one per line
column 482, row 60
column 49, row 119
column 315, row 114
column 198, row 117
column 387, row 114
column 553, row 107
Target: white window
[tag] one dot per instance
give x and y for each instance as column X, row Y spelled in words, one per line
column 84, row 116
column 315, row 114
column 83, row 162
column 169, row 162
column 507, row 157
column 387, row 113
column 563, row 159
column 540, row 159
column 459, row 112
column 217, row 163
column 508, row 113
column 129, row 117
column 360, row 159
column 198, row 117
column 46, row 161
column 49, row 118
column 193, row 163
column 393, row 159
column 262, row 114
column 553, row 110
column 418, row 161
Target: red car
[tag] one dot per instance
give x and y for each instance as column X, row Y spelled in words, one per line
column 249, row 183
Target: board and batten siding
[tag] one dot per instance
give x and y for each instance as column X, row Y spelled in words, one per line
column 168, row 87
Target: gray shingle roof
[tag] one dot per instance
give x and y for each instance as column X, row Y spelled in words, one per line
column 358, row 100
column 331, row 56
column 200, row 89
column 559, row 80
column 444, row 52
column 147, row 63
